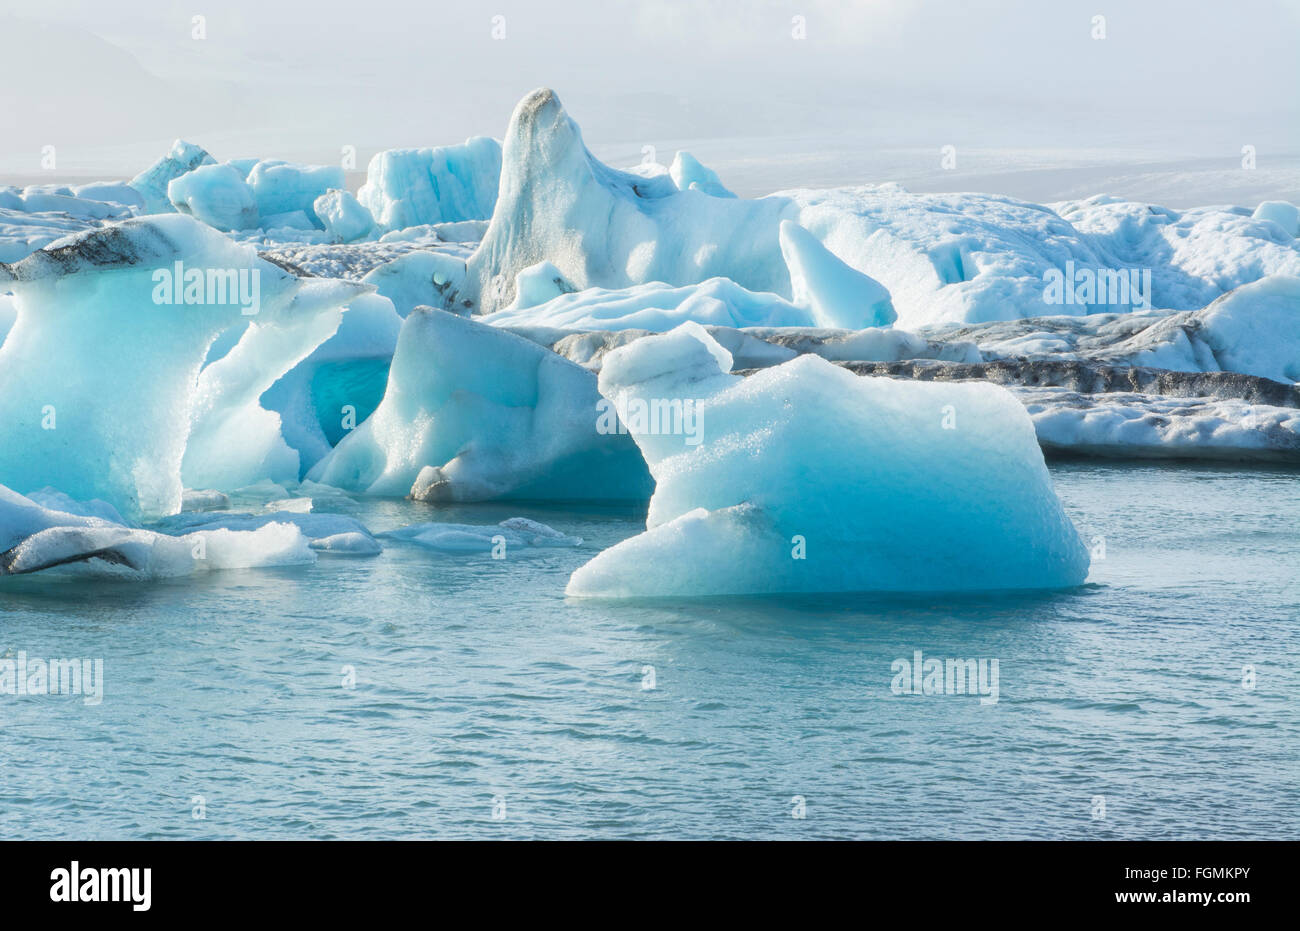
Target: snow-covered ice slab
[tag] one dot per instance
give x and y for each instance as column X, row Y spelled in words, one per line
column 804, row 477
column 474, row 413
column 1195, row 255
column 99, row 377
column 1253, row 329
column 1121, row 425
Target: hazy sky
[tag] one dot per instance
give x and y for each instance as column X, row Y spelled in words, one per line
column 110, row 87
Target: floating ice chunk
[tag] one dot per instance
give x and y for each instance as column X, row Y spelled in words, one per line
column 283, row 187
column 217, row 195
column 1281, row 212
column 809, row 478
column 35, row 538
column 514, row 533
column 348, row 544
column 1251, row 330
column 132, row 309
column 419, row 278
column 688, row 173
column 409, row 187
column 21, row 517
column 493, row 413
column 343, row 216
column 152, row 183
column 837, row 295
column 121, row 552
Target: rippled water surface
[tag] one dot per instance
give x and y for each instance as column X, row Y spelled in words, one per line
column 476, row 680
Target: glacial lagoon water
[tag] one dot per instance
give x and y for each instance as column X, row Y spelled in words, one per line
column 486, row 705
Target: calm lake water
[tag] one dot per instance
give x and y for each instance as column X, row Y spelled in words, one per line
column 486, row 705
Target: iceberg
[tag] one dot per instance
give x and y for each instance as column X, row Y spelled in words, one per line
column 806, row 478
column 216, row 194
column 942, row 258
column 152, row 183
column 476, row 413
column 283, row 187
column 127, row 314
column 343, row 216
column 606, row 228
column 23, row 233
column 411, row 187
column 836, row 295
column 1255, row 329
